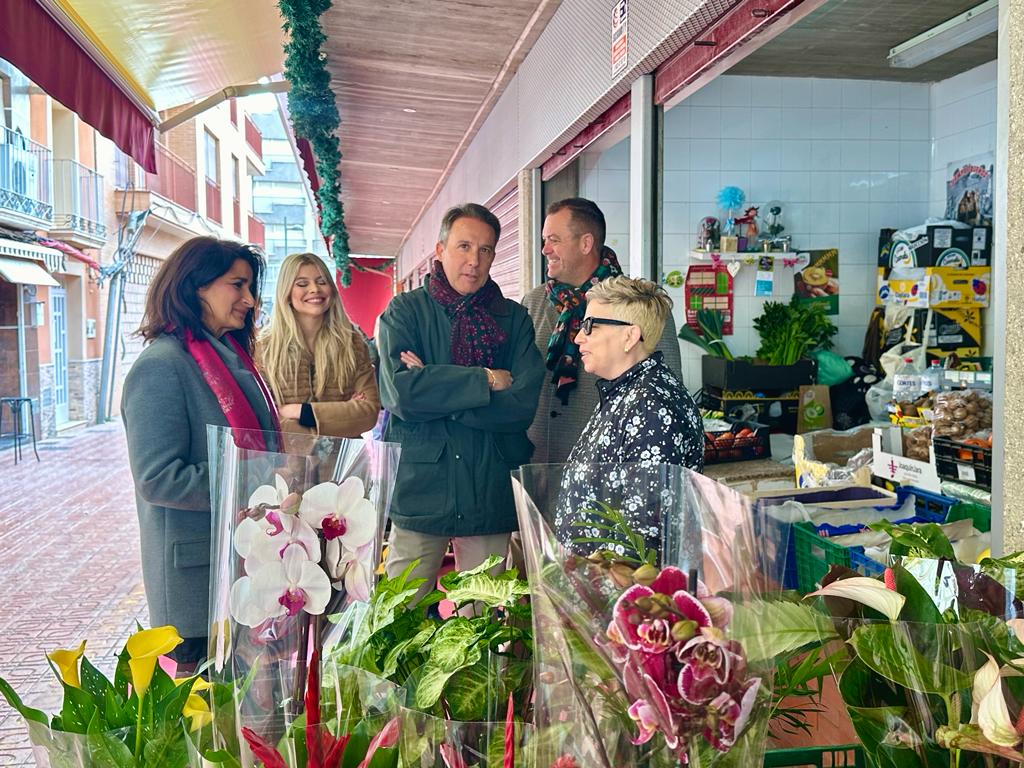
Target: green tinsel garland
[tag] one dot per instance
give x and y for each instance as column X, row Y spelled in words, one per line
column 315, row 117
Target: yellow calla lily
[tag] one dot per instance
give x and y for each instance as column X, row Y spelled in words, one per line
column 198, row 684
column 198, row 712
column 67, row 663
column 144, row 648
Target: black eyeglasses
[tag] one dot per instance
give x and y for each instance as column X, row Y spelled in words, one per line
column 589, row 322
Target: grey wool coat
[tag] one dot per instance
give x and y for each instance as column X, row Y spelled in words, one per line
column 556, row 427
column 166, row 407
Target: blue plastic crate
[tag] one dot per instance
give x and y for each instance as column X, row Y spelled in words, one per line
column 931, row 506
column 863, row 564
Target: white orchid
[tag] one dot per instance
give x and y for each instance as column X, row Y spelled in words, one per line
column 870, row 592
column 354, row 568
column 342, row 512
column 279, row 588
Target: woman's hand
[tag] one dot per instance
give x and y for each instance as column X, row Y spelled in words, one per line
column 291, row 411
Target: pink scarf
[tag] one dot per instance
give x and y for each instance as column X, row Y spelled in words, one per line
column 230, row 397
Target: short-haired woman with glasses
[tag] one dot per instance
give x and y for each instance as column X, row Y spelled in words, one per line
column 644, row 415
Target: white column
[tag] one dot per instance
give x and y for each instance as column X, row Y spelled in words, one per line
column 641, row 178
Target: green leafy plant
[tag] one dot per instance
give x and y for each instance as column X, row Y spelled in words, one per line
column 790, row 331
column 450, row 668
column 710, row 338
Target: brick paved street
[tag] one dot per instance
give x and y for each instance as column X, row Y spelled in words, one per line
column 71, row 571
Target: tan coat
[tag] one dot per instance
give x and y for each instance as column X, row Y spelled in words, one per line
column 337, row 415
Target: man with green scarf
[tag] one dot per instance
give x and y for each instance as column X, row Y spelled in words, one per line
column 577, row 259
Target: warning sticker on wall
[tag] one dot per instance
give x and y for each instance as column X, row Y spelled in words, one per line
column 620, row 37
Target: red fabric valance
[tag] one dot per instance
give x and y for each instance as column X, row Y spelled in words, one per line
column 71, row 251
column 36, row 44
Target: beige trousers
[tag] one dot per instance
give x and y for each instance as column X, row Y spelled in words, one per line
column 406, row 546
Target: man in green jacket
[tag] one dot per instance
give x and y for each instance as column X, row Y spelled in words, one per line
column 460, row 374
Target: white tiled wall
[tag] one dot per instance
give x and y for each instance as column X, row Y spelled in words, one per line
column 963, row 126
column 844, row 157
column 604, row 178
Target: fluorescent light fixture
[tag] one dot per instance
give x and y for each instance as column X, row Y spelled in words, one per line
column 410, row 110
column 954, row 33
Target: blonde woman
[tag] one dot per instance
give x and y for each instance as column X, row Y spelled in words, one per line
column 315, row 361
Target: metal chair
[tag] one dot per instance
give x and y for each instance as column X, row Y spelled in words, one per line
column 17, row 407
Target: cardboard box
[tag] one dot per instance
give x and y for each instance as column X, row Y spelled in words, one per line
column 950, row 329
column 833, row 497
column 815, row 451
column 903, row 253
column 890, row 464
column 935, row 287
column 959, row 247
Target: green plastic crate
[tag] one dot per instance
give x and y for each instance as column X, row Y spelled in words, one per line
column 979, row 514
column 814, row 555
column 848, row 756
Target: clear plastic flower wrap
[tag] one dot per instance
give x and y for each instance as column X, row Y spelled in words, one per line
column 636, row 573
column 930, row 660
column 296, row 537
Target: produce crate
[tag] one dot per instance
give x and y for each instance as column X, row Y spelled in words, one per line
column 933, row 506
column 721, row 447
column 730, row 402
column 980, row 514
column 743, row 374
column 970, row 464
column 848, row 756
column 815, row 552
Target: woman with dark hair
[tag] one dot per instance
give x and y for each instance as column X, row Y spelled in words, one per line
column 197, row 370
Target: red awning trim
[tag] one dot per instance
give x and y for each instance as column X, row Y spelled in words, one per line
column 36, row 44
column 607, row 120
column 747, row 20
column 71, row 251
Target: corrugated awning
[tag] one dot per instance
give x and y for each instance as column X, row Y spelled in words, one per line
column 19, row 249
column 25, row 272
column 33, row 41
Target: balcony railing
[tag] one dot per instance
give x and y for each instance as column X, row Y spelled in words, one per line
column 174, row 179
column 78, row 199
column 25, row 176
column 257, row 233
column 236, row 207
column 253, row 137
column 213, row 201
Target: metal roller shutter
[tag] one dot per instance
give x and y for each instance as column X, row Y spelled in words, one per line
column 507, row 266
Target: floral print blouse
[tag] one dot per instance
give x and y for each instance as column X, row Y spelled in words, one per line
column 644, row 419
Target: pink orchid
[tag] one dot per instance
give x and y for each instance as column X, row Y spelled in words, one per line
column 729, row 717
column 628, row 618
column 652, row 712
column 709, row 661
column 565, row 761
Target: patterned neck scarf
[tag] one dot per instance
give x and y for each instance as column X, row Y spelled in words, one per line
column 236, row 408
column 571, row 304
column 476, row 336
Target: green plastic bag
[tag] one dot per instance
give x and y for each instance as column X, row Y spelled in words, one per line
column 832, row 369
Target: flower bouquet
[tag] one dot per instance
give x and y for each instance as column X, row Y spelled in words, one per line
column 932, row 669
column 140, row 718
column 296, row 538
column 465, row 683
column 638, row 658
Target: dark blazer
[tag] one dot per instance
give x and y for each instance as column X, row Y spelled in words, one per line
column 166, row 407
column 460, row 441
